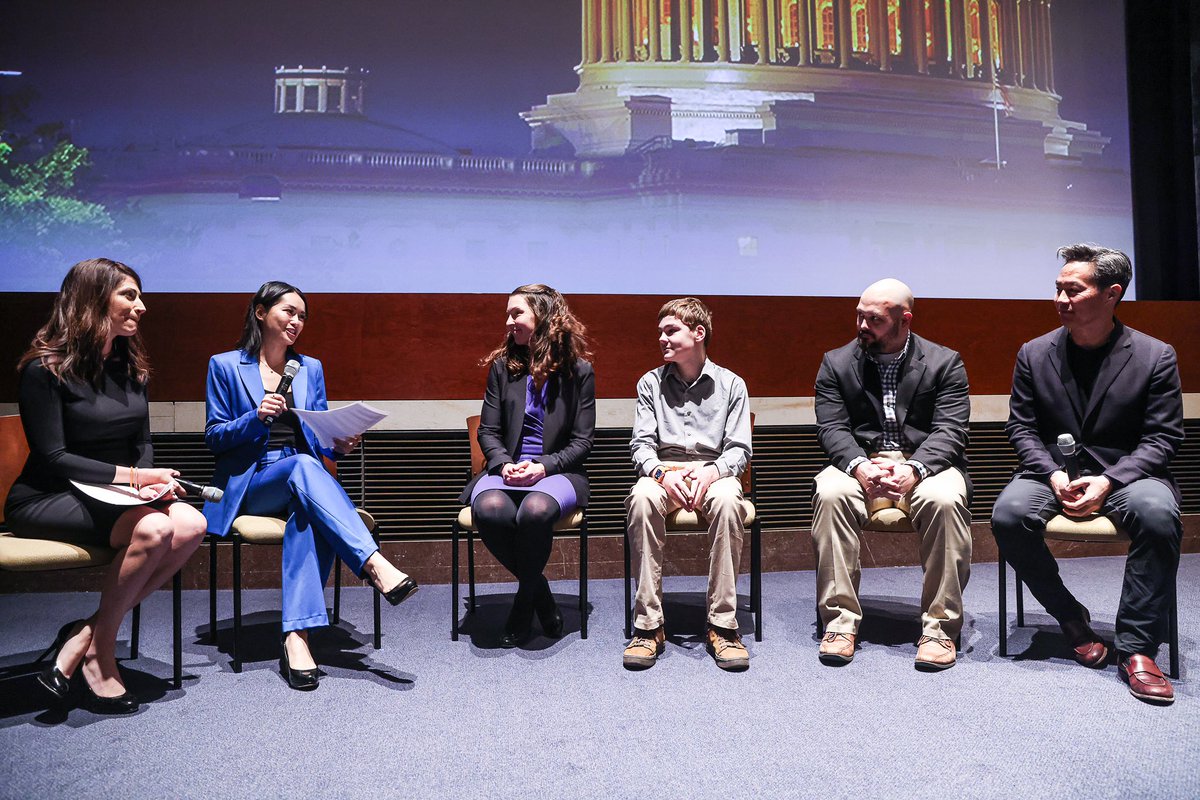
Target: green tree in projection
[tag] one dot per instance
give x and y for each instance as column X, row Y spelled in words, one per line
column 40, row 198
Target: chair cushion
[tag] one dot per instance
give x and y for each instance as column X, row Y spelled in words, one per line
column 1089, row 529
column 259, row 530
column 38, row 555
column 269, row 530
column 683, row 520
column 567, row 523
column 889, row 520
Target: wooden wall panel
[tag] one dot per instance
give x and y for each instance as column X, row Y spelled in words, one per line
column 428, row 346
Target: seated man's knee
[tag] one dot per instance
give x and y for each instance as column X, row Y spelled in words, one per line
column 1009, row 513
column 1154, row 514
column 644, row 498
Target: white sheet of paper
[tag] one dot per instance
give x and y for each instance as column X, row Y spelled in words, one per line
column 116, row 494
column 341, row 423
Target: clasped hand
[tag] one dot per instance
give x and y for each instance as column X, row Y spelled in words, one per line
column 1081, row 497
column 687, row 487
column 887, row 478
column 523, row 473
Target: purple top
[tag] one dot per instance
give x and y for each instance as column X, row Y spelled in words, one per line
column 535, row 416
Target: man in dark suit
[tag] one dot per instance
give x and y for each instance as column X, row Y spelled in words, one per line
column 892, row 412
column 1116, row 391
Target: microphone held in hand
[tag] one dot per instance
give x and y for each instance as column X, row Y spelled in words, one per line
column 289, row 373
column 1066, row 445
column 205, row 492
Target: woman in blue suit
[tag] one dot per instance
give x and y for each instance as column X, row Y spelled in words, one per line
column 275, row 469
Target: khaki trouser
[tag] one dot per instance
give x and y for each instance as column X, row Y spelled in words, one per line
column 939, row 513
column 647, row 507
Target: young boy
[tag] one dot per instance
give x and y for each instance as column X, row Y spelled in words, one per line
column 691, row 442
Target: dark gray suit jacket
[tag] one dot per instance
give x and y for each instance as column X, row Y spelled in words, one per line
column 1132, row 425
column 933, row 405
column 568, row 429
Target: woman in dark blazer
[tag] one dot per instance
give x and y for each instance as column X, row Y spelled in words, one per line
column 269, row 463
column 536, row 431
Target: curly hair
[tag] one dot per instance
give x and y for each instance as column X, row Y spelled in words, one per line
column 559, row 339
column 71, row 343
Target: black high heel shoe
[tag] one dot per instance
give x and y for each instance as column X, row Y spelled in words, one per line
column 399, row 593
column 552, row 620
column 304, row 680
column 51, row 677
column 126, row 703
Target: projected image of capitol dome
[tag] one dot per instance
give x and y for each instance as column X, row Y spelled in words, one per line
column 896, row 75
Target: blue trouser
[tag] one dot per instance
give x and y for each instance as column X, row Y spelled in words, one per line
column 321, row 522
column 1145, row 509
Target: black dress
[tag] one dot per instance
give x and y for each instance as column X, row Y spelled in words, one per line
column 76, row 432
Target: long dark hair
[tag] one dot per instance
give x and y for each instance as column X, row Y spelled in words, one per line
column 267, row 296
column 71, row 343
column 559, row 339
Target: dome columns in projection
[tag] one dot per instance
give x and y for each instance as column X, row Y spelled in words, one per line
column 319, row 90
column 699, row 69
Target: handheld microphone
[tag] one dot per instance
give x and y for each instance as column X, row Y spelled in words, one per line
column 1066, row 445
column 205, row 492
column 289, row 373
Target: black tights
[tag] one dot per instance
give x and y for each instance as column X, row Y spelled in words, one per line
column 518, row 529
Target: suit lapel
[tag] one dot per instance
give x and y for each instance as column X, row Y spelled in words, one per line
column 300, row 387
column 1121, row 353
column 251, row 380
column 514, row 411
column 909, row 382
column 1058, row 358
column 858, row 368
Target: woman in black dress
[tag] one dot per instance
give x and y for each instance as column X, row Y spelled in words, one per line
column 84, row 410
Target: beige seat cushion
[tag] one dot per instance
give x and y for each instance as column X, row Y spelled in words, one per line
column 683, row 520
column 567, row 523
column 38, row 555
column 889, row 520
column 269, row 530
column 1089, row 529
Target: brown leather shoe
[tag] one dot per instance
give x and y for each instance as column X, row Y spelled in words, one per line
column 727, row 649
column 1145, row 679
column 837, row 648
column 934, row 654
column 1087, row 648
column 644, row 648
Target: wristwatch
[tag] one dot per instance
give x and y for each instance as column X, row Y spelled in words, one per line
column 658, row 474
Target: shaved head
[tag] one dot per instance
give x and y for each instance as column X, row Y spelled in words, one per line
column 890, row 292
column 884, row 316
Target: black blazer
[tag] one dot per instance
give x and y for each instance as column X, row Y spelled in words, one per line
column 1132, row 425
column 569, row 426
column 933, row 405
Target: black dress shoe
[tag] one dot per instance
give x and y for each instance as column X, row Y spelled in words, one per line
column 121, row 704
column 304, row 680
column 552, row 621
column 52, row 677
column 518, row 629
column 401, row 592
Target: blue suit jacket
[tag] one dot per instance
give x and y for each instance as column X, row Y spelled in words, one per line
column 235, row 434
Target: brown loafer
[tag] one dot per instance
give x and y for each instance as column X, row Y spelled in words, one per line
column 1087, row 648
column 1145, row 679
column 935, row 654
column 836, row 648
column 727, row 649
column 644, row 648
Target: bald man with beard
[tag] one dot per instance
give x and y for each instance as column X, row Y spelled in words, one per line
column 892, row 412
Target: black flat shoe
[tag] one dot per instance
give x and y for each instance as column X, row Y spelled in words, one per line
column 518, row 628
column 52, row 678
column 402, row 591
column 552, row 622
column 121, row 704
column 304, row 680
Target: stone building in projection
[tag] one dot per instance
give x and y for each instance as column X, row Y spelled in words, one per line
column 800, row 71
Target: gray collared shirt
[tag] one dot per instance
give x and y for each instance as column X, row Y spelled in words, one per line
column 708, row 420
